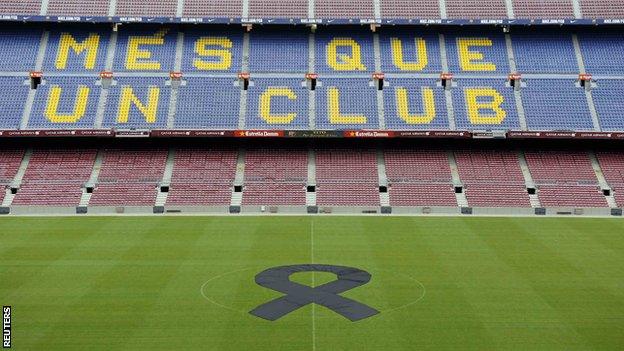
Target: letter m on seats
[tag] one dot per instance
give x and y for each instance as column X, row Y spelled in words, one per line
column 89, row 45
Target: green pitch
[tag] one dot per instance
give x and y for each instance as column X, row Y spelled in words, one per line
column 186, row 283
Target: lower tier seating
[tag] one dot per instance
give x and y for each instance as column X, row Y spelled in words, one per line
column 346, row 176
column 411, row 194
column 571, row 196
column 124, row 194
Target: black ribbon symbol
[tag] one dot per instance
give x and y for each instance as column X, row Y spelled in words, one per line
column 298, row 295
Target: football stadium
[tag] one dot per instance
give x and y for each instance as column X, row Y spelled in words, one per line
column 312, row 174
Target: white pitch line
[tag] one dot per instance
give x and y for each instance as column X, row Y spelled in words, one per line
column 313, row 285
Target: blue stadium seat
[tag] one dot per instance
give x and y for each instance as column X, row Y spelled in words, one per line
column 200, row 57
column 12, row 101
column 489, row 51
column 18, row 48
column 544, row 53
column 155, row 115
column 356, row 99
column 279, row 51
column 153, row 50
column 417, row 117
column 411, row 57
column 555, row 105
column 289, row 97
column 77, row 40
column 602, row 52
column 485, row 118
column 75, row 99
column 609, row 102
column 346, row 61
column 208, row 103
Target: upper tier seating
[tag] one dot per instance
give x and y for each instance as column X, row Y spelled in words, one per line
column 416, row 9
column 344, row 9
column 476, row 9
column 278, row 8
column 165, row 8
column 397, row 9
column 212, row 8
column 602, row 8
column 544, row 8
column 20, row 7
column 78, row 7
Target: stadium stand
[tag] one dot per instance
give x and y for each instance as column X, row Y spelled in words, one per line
column 275, row 177
column 556, row 57
column 327, row 9
column 65, row 102
column 140, row 103
column 411, row 9
column 357, row 187
column 612, row 165
column 12, row 101
column 598, row 47
column 161, row 76
column 209, row 94
column 10, row 160
column 21, row 7
column 202, row 177
column 277, row 103
column 78, row 7
column 484, row 104
column 129, row 177
column 345, row 104
column 206, row 103
column 344, row 9
column 555, row 105
column 491, row 53
column 217, row 8
column 476, row 9
column 419, row 178
column 278, row 8
column 609, row 104
column 278, row 51
column 415, row 104
column 18, row 48
column 165, row 8
column 492, row 178
column 565, row 178
column 544, row 9
column 602, row 9
column 410, row 51
column 55, row 177
column 61, row 52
